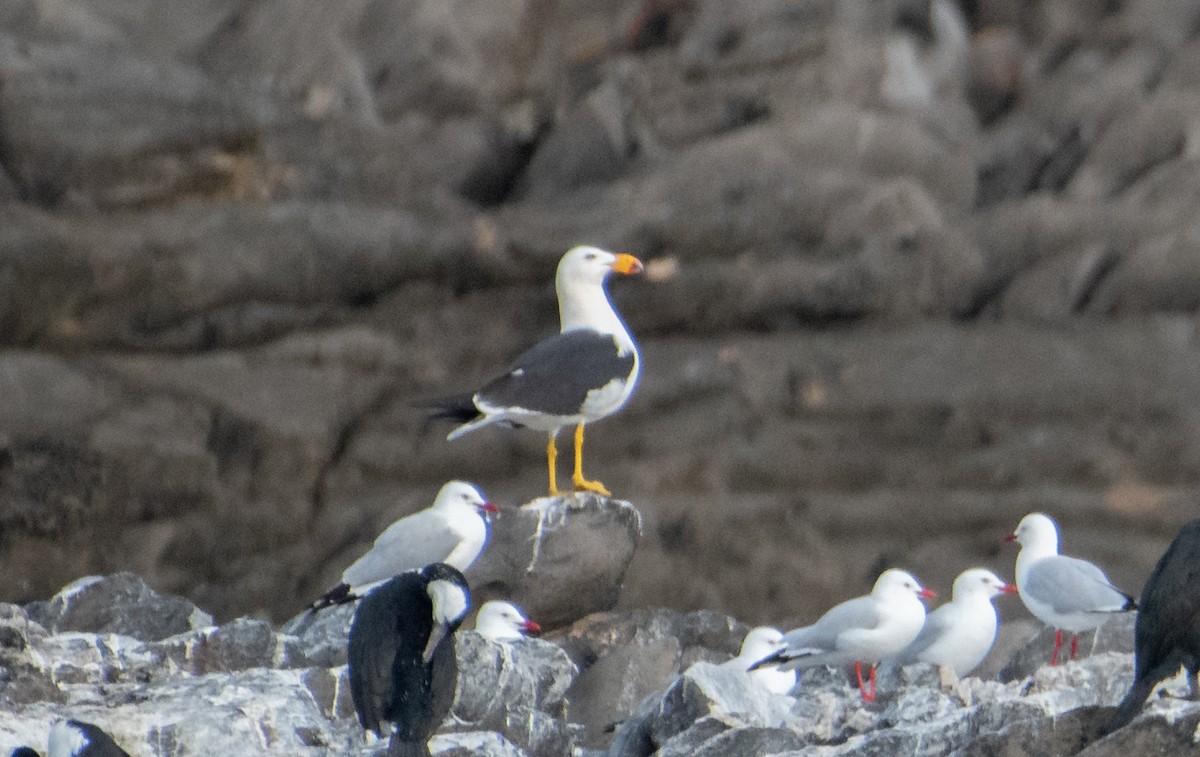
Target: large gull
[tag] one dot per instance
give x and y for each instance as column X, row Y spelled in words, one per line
column 582, row 374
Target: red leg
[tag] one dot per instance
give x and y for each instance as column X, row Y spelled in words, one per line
column 867, row 694
column 1057, row 646
column 1074, row 645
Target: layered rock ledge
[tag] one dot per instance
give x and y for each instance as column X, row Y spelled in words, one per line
column 620, row 684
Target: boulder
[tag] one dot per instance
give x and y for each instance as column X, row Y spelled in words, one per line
column 559, row 558
column 517, row 689
column 322, row 636
column 624, row 657
column 120, row 604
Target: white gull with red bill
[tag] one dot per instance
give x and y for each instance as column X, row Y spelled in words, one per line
column 1065, row 593
column 960, row 633
column 503, row 621
column 861, row 630
column 452, row 530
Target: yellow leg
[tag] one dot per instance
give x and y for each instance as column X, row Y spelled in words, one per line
column 552, row 464
column 578, row 480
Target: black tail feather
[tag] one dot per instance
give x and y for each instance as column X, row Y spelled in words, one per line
column 775, row 658
column 338, row 595
column 1130, row 603
column 1131, row 705
column 459, row 408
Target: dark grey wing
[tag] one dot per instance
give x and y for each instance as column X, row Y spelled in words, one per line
column 100, row 744
column 555, row 375
column 409, row 543
column 1069, row 586
column 937, row 623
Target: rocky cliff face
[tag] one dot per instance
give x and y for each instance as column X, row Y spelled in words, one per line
column 100, row 651
column 915, row 269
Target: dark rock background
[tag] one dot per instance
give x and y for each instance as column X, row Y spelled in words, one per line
column 907, row 281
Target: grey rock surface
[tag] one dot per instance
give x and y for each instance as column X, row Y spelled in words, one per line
column 559, row 558
column 120, row 604
column 244, row 687
column 715, row 710
column 624, row 657
column 517, row 689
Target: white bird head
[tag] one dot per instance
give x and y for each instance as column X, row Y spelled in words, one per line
column 459, row 494
column 592, row 265
column 503, row 621
column 893, row 581
column 980, row 581
column 582, row 301
column 761, row 642
column 1036, row 532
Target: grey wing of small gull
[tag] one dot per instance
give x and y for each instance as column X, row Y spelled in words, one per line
column 407, row 544
column 822, row 636
column 937, row 623
column 1069, row 585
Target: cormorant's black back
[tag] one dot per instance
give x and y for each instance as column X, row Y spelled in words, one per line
column 1167, row 630
column 389, row 680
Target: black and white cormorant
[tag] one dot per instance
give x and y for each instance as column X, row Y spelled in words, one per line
column 401, row 657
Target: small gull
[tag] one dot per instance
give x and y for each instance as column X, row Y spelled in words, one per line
column 864, row 629
column 503, row 621
column 759, row 643
column 1065, row 593
column 452, row 530
column 960, row 633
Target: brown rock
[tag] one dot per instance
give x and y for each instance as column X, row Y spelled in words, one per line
column 559, row 558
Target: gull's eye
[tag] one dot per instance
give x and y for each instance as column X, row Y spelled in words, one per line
column 590, row 256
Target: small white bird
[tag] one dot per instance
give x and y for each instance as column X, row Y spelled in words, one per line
column 864, row 629
column 452, row 530
column 960, row 633
column 503, row 621
column 1065, row 593
column 582, row 374
column 759, row 643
